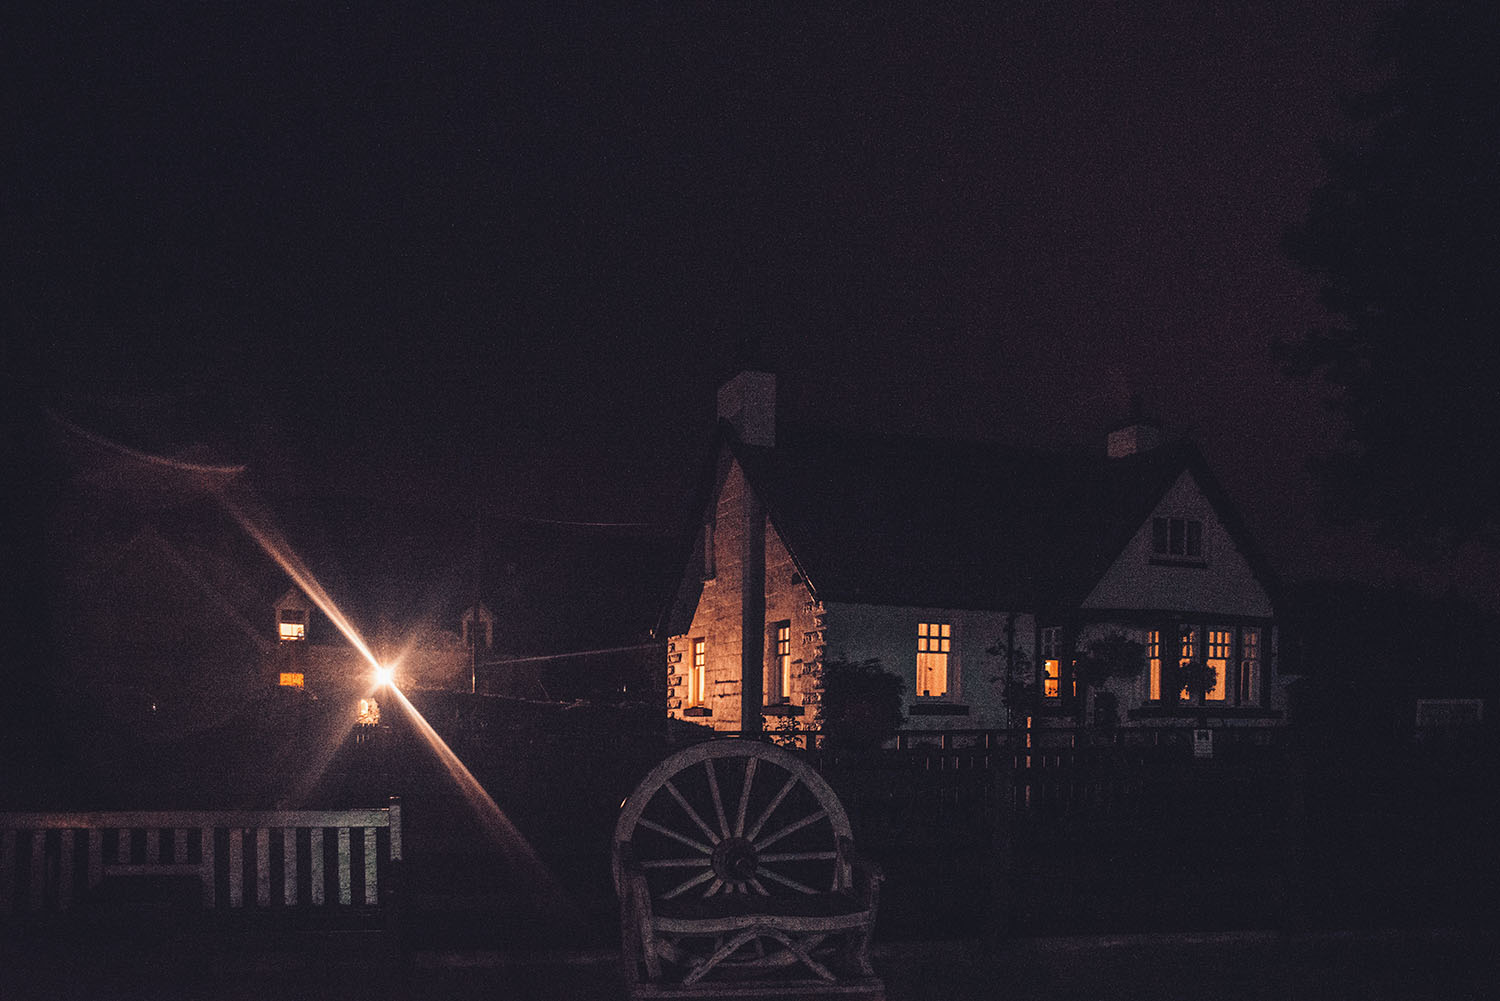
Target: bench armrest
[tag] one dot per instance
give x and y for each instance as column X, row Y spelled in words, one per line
column 636, row 917
column 865, row 874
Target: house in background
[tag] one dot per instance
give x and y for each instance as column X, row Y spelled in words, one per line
column 311, row 654
column 958, row 565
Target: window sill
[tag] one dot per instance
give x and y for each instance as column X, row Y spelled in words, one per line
column 783, row 709
column 938, row 709
column 697, row 711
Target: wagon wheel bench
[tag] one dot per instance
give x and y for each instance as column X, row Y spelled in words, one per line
column 737, row 876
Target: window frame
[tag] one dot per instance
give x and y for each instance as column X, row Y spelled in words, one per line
column 697, row 680
column 298, row 631
column 947, row 651
column 778, row 689
column 1178, row 540
column 1049, row 644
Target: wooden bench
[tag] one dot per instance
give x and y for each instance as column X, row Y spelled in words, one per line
column 737, row 877
column 311, row 862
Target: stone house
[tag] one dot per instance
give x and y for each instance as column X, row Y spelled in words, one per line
column 959, row 565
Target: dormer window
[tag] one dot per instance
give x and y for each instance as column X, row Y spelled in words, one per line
column 478, row 625
column 292, row 625
column 1177, row 539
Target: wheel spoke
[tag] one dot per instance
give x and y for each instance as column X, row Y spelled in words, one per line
column 692, row 814
column 702, row 877
column 675, row 863
column 766, row 813
column 771, row 839
column 713, row 888
column 739, row 819
column 798, row 856
column 659, row 829
column 760, row 887
column 787, row 881
column 713, row 788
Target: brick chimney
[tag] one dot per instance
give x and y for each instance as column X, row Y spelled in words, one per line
column 748, row 403
column 1135, row 436
column 1132, row 439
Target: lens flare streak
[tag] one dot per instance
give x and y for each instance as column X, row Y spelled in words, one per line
column 277, row 548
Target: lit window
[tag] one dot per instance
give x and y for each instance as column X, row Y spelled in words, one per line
column 290, row 679
column 1218, row 652
column 1177, row 537
column 1249, row 681
column 293, row 624
column 697, row 674
column 1187, row 650
column 934, row 643
column 779, row 684
column 369, row 713
column 1153, row 659
column 1051, row 662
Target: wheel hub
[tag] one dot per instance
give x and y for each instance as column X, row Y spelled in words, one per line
column 734, row 860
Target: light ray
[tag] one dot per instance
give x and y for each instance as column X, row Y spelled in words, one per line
column 277, row 548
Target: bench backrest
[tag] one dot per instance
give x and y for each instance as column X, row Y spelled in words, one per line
column 242, row 859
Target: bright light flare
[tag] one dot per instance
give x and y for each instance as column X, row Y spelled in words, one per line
column 512, row 843
column 278, row 549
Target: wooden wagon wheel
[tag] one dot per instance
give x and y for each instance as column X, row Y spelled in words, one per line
column 734, row 817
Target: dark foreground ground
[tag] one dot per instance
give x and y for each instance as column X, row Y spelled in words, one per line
column 1370, row 966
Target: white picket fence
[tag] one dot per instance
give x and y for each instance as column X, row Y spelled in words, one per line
column 261, row 858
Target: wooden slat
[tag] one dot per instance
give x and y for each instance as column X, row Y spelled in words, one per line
column 236, row 867
column 150, row 869
column 393, row 821
column 289, row 866
column 8, row 870
column 96, row 856
column 346, row 895
column 38, row 871
column 262, row 867
column 153, row 844
column 316, row 859
column 362, row 817
column 65, row 870
column 372, row 895
column 122, row 848
column 206, row 866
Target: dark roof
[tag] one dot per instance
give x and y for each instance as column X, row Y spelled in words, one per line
column 959, row 524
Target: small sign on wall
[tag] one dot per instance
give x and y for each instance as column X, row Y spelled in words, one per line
column 1203, row 743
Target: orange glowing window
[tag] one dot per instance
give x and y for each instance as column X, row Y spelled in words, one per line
column 779, row 687
column 1153, row 659
column 698, row 673
column 1219, row 649
column 1187, row 650
column 291, row 679
column 934, row 644
column 1051, row 662
column 292, row 624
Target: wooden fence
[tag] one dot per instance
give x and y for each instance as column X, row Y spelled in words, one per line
column 1040, row 770
column 242, row 860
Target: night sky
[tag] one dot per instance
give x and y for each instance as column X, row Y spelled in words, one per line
column 508, row 251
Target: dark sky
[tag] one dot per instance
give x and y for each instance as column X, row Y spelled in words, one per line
column 440, row 249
